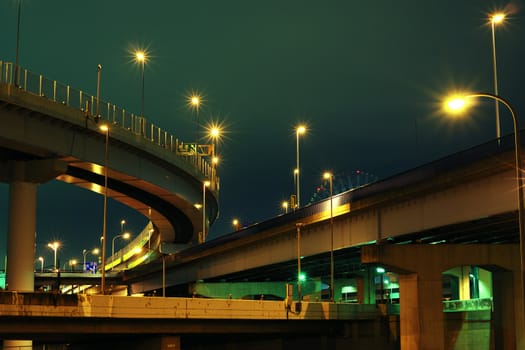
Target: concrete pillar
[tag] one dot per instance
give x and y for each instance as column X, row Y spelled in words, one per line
column 21, row 236
column 366, row 290
column 421, row 324
column 464, row 283
column 504, row 306
column 24, row 178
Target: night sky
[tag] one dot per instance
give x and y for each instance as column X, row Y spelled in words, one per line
column 366, row 77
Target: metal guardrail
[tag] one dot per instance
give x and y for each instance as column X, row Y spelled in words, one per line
column 38, row 85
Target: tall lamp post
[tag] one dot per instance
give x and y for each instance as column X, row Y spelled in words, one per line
column 214, row 134
column 54, row 245
column 301, row 129
column 457, row 104
column 329, row 176
column 298, row 229
column 41, row 259
column 85, row 253
column 105, row 129
column 495, row 19
column 141, row 57
column 204, row 185
column 125, row 235
column 284, row 205
column 97, row 111
column 194, row 101
column 17, row 69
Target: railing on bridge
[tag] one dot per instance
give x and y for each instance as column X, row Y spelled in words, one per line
column 38, row 85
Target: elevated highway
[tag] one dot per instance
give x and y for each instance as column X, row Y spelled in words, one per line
column 465, row 198
column 148, row 169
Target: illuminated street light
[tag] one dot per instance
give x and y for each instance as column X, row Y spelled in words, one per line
column 194, row 102
column 17, row 68
column 54, row 245
column 301, row 129
column 85, row 253
column 97, row 111
column 284, row 205
column 329, row 176
column 214, row 134
column 105, row 129
column 454, row 105
column 299, row 275
column 235, row 223
column 141, row 57
column 41, row 259
column 204, row 185
column 122, row 223
column 495, row 19
column 125, row 235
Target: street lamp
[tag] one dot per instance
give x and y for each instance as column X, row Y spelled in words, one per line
column 235, row 223
column 54, row 245
column 204, row 185
column 105, row 129
column 194, row 101
column 85, row 253
column 17, row 69
column 301, row 129
column 141, row 57
column 125, row 235
column 495, row 19
column 455, row 104
column 214, row 132
column 41, row 259
column 298, row 229
column 122, row 223
column 329, row 176
column 284, row 205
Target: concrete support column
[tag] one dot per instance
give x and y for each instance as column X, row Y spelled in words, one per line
column 366, row 290
column 421, row 324
column 504, row 306
column 464, row 283
column 24, row 177
column 21, row 236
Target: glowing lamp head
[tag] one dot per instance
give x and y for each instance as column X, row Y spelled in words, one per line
column 104, row 128
column 301, row 129
column 215, row 132
column 126, row 235
column 327, row 175
column 456, row 104
column 195, row 100
column 206, row 183
column 140, row 56
column 497, row 18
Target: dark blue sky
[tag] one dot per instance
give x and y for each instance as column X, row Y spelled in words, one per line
column 365, row 76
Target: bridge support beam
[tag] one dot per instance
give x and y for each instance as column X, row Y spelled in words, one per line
column 422, row 321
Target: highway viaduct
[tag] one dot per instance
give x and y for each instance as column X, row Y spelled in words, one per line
column 52, row 131
column 444, row 216
column 414, row 224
